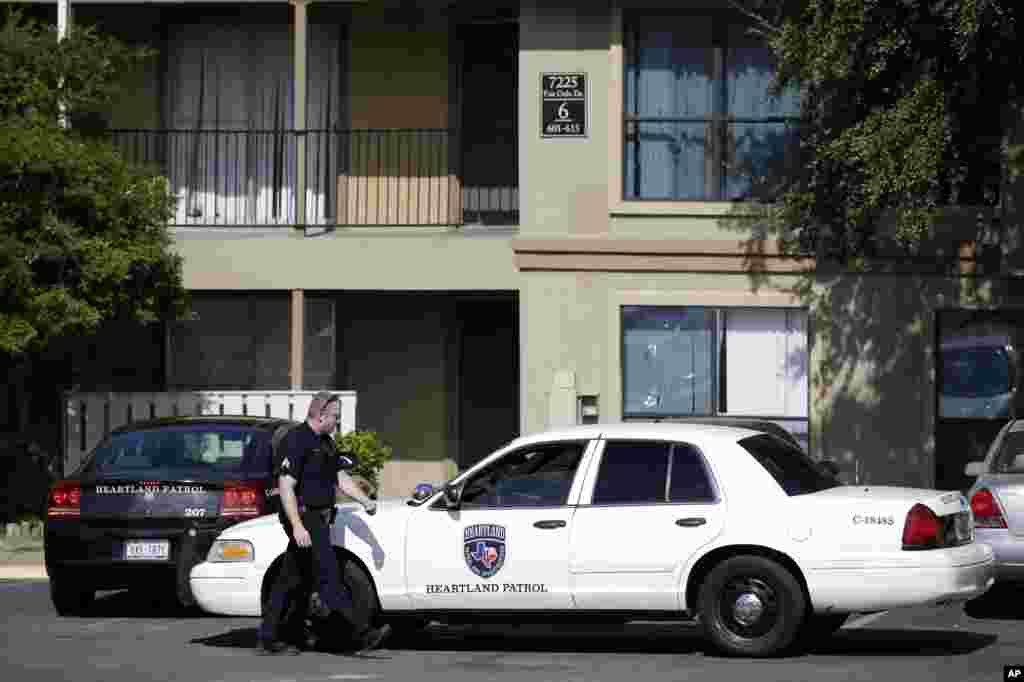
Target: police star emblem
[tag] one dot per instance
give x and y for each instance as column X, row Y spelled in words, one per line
column 484, row 548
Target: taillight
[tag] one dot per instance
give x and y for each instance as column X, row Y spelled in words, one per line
column 242, row 499
column 986, row 510
column 922, row 529
column 65, row 500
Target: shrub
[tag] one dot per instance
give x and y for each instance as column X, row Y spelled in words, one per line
column 371, row 454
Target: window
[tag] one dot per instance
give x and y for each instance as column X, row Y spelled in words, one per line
column 704, row 362
column 698, row 121
column 214, row 451
column 650, row 472
column 537, row 476
column 632, row 473
column 690, row 480
column 794, row 471
column 977, row 363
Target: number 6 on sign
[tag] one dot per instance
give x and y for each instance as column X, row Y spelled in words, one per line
column 563, row 111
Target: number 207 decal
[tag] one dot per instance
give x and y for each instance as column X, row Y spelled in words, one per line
column 194, row 511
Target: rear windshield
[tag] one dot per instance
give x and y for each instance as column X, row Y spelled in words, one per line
column 1010, row 459
column 186, row 452
column 793, row 470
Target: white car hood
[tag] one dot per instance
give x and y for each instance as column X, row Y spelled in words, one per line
column 388, row 506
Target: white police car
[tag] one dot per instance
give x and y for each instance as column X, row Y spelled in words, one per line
column 620, row 521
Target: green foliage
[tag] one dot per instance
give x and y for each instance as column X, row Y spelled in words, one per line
column 906, row 107
column 83, row 234
column 370, row 451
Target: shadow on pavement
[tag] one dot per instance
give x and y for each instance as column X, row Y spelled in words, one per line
column 634, row 639
column 138, row 604
column 905, row 642
column 1002, row 602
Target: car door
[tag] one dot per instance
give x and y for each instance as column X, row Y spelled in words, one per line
column 646, row 510
column 506, row 546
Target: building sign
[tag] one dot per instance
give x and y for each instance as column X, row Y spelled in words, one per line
column 563, row 105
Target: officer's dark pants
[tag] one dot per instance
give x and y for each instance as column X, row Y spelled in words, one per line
column 303, row 570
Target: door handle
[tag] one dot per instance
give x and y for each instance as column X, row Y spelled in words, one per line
column 550, row 524
column 691, row 522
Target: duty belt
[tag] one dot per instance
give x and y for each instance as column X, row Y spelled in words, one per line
column 326, row 514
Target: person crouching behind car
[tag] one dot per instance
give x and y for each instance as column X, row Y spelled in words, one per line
column 310, row 470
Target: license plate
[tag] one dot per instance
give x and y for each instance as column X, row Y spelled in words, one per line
column 152, row 550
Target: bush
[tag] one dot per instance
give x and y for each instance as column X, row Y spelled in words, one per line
column 371, row 454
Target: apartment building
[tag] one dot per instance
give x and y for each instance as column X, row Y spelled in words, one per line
column 487, row 218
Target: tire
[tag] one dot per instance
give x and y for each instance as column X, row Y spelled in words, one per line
column 365, row 607
column 70, row 598
column 773, row 602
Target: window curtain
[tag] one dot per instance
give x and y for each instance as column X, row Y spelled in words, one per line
column 756, row 150
column 670, row 75
column 237, row 80
column 765, row 359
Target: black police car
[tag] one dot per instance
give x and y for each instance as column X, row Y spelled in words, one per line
column 148, row 501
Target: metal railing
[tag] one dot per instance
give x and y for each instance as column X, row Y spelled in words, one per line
column 353, row 177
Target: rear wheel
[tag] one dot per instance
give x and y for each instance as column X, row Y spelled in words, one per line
column 751, row 606
column 69, row 597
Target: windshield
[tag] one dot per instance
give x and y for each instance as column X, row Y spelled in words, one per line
column 794, row 471
column 980, row 372
column 1010, row 459
column 208, row 451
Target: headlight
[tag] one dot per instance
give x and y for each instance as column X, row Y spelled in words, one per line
column 224, row 551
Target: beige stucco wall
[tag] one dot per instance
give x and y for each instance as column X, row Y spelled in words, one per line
column 383, row 258
column 872, row 372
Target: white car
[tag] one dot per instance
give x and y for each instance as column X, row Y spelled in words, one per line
column 737, row 528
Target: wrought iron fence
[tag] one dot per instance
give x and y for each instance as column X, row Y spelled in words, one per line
column 353, row 177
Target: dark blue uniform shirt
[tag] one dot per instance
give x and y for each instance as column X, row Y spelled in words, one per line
column 314, row 462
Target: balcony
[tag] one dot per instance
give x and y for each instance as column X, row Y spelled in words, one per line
column 248, row 178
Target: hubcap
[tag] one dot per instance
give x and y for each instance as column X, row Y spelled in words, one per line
column 747, row 609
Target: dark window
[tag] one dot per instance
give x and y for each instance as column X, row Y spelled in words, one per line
column 632, row 472
column 538, row 476
column 690, row 481
column 209, row 452
column 794, row 471
column 1010, row 459
column 699, row 123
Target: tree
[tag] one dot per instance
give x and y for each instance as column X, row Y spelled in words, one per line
column 906, row 109
column 83, row 233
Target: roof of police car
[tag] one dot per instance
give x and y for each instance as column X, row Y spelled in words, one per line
column 640, row 430
column 232, row 419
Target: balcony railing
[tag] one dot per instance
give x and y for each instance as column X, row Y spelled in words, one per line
column 245, row 178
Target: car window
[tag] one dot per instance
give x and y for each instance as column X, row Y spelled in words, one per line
column 536, row 476
column 632, row 472
column 690, row 481
column 1010, row 459
column 211, row 451
column 793, row 470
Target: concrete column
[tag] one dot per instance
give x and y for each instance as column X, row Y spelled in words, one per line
column 64, row 21
column 298, row 337
column 299, row 109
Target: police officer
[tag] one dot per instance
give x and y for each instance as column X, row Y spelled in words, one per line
column 309, row 477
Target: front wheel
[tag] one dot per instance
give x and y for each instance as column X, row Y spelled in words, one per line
column 70, row 598
column 365, row 607
column 751, row 606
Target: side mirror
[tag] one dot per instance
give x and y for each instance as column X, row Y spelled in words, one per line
column 974, row 468
column 422, row 491
column 829, row 466
column 453, row 496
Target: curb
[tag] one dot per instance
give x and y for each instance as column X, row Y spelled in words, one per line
column 23, row 572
